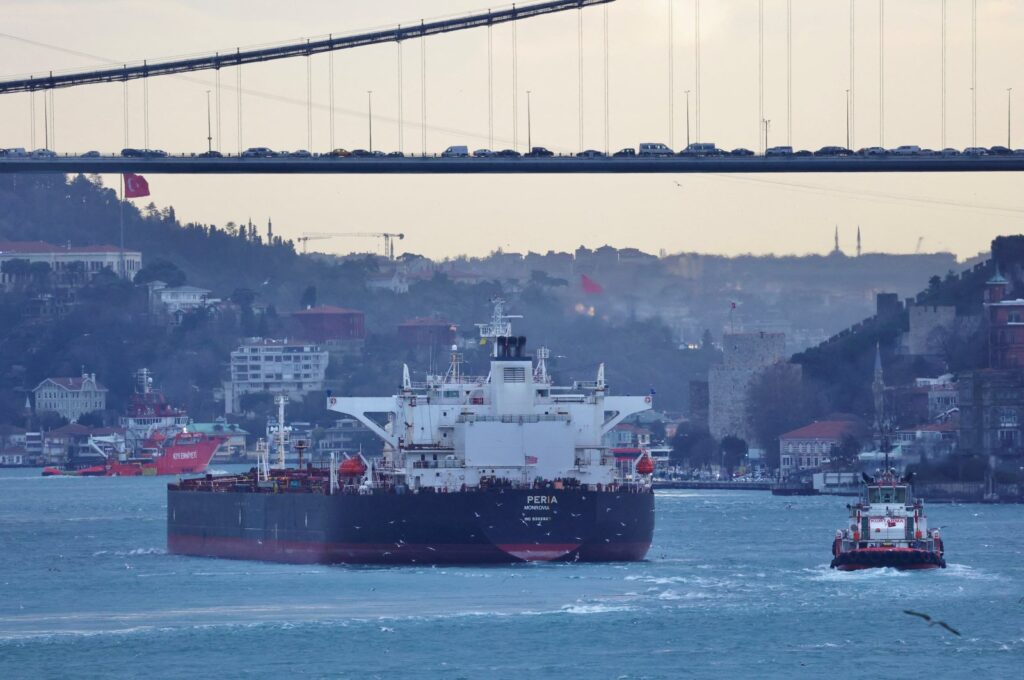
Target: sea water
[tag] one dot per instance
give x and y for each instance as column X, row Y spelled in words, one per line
column 736, row 585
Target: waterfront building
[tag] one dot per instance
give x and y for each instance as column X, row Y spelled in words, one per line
column 69, row 265
column 71, row 397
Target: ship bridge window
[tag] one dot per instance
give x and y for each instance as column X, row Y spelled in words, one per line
column 451, row 394
column 887, row 495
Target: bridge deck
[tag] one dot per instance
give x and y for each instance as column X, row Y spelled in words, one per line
column 465, row 166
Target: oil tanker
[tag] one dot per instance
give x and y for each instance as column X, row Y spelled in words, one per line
column 507, row 467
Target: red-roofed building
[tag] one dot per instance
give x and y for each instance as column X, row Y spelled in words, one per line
column 812, row 445
column 327, row 324
column 71, row 397
column 62, row 260
column 427, row 332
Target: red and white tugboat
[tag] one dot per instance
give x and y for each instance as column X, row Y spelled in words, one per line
column 887, row 528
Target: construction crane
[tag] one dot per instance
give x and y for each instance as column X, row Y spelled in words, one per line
column 306, row 238
column 388, row 238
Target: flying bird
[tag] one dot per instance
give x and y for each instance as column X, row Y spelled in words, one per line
column 927, row 618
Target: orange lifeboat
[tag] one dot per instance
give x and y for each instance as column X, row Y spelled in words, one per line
column 645, row 466
column 352, row 467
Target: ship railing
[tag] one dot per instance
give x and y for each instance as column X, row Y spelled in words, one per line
column 434, row 464
column 513, row 419
column 848, row 544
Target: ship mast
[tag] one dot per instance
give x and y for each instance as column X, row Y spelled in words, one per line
column 499, row 327
column 280, row 400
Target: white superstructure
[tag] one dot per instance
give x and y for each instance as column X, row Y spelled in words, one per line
column 512, row 425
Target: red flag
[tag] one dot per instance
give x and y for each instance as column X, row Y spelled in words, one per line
column 135, row 186
column 590, row 285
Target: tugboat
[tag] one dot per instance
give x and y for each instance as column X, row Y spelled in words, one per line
column 182, row 453
column 503, row 468
column 888, row 528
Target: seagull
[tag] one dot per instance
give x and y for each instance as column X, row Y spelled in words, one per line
column 927, row 618
column 678, row 184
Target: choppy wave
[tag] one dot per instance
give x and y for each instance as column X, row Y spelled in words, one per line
column 135, row 552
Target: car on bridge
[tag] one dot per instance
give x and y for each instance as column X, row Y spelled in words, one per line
column 16, row 152
column 301, row 153
column 360, row 153
column 701, row 150
column 43, row 153
column 211, row 154
column 539, row 152
column 395, row 154
column 258, row 152
column 91, row 154
column 457, row 151
column 655, row 149
column 779, row 151
column 999, row 151
column 833, row 151
column 906, row 150
column 975, row 151
column 741, row 152
column 483, row 153
column 628, row 152
column 591, row 153
column 340, row 153
column 949, row 151
column 508, row 153
column 876, row 151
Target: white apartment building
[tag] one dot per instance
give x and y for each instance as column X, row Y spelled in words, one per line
column 275, row 367
column 71, row 397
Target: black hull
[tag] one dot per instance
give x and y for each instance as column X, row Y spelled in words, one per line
column 497, row 526
column 894, row 558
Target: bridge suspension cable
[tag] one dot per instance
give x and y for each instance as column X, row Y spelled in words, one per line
column 606, row 117
column 294, row 49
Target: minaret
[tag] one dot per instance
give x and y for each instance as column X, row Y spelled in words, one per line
column 835, row 248
column 270, row 231
column 858, row 241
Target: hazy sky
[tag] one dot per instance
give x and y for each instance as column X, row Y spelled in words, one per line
column 445, row 216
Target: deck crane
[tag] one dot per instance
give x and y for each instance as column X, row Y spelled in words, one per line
column 388, row 238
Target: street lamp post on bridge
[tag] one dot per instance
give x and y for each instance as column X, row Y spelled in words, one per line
column 369, row 115
column 529, row 123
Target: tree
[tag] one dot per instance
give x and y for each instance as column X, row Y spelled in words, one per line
column 308, row 298
column 243, row 297
column 91, row 419
column 50, row 420
column 692, row 446
column 845, row 455
column 733, row 450
column 777, row 402
column 161, row 270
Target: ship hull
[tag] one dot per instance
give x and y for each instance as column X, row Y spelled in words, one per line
column 476, row 527
column 893, row 558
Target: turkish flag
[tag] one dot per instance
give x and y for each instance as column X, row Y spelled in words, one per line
column 135, row 186
column 590, row 285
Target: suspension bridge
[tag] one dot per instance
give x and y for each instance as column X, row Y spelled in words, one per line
column 213, row 160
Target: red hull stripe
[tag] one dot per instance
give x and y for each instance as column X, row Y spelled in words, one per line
column 301, row 552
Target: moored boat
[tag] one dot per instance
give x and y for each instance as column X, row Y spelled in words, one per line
column 888, row 528
column 183, row 453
